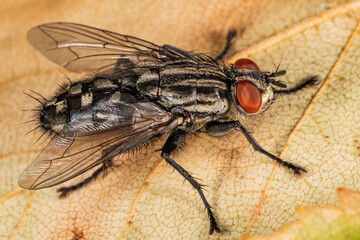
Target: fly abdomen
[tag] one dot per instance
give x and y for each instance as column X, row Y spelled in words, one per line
column 112, row 110
column 59, row 111
column 198, row 88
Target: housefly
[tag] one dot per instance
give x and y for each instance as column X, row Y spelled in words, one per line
column 139, row 90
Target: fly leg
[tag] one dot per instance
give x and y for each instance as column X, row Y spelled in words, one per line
column 314, row 80
column 174, row 141
column 232, row 33
column 219, row 127
column 178, row 50
column 64, row 192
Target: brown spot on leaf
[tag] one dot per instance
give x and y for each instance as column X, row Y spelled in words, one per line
column 78, row 234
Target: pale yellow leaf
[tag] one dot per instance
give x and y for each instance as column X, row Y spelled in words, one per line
column 325, row 222
column 142, row 197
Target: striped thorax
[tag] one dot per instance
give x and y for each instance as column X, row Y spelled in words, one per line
column 196, row 88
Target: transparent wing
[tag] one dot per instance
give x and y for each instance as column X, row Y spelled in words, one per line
column 81, row 48
column 82, row 145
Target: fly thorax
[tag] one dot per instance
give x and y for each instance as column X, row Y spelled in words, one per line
column 186, row 84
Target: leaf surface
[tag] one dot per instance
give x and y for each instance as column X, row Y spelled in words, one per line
column 143, row 197
column 325, row 222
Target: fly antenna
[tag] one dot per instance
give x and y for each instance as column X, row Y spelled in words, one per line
column 277, row 72
column 278, row 66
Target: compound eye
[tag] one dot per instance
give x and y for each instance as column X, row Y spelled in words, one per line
column 245, row 63
column 248, row 96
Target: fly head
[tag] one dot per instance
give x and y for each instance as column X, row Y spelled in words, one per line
column 252, row 89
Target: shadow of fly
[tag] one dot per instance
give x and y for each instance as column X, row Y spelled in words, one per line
column 138, row 91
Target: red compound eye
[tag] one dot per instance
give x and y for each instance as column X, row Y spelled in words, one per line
column 248, row 96
column 245, row 63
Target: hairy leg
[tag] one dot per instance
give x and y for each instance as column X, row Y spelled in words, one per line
column 314, row 80
column 174, row 141
column 231, row 35
column 65, row 191
column 219, row 127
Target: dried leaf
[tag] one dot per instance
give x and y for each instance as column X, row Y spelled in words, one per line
column 328, row 222
column 142, row 197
